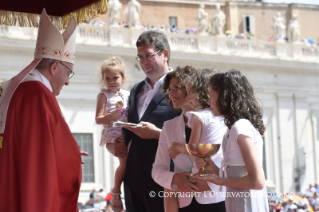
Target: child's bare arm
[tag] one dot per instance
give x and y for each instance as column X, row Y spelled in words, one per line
column 176, row 149
column 196, row 130
column 100, row 116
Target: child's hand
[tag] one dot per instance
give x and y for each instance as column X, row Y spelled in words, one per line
column 116, row 114
column 173, row 150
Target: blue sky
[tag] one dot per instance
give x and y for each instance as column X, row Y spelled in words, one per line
column 294, row 1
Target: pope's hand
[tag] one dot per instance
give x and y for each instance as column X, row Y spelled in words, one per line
column 84, row 154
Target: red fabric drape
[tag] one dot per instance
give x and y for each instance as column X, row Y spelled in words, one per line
column 53, row 7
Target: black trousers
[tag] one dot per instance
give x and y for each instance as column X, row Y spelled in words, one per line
column 140, row 202
column 195, row 206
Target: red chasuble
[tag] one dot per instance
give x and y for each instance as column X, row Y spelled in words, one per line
column 40, row 162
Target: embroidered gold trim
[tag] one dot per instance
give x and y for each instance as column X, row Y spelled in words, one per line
column 48, row 51
column 91, row 11
column 69, row 55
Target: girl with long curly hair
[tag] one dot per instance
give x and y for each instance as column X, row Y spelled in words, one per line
column 232, row 97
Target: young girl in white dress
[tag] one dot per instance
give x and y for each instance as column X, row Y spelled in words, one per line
column 205, row 127
column 112, row 106
column 232, row 97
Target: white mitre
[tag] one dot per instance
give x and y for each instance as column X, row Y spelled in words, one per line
column 50, row 44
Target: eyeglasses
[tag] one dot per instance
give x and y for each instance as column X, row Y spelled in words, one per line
column 147, row 56
column 174, row 89
column 71, row 72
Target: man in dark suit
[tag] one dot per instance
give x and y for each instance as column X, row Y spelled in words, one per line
column 148, row 107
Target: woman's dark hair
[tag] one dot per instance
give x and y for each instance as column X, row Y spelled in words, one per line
column 200, row 81
column 180, row 73
column 236, row 99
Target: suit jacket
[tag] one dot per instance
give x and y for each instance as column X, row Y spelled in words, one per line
column 174, row 131
column 142, row 152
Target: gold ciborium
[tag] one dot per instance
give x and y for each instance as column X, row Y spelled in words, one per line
column 201, row 151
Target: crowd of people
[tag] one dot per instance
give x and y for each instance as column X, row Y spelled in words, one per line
column 193, row 31
column 145, row 27
column 307, row 201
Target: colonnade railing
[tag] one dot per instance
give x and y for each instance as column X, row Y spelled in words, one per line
column 182, row 42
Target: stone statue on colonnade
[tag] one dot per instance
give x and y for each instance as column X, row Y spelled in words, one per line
column 293, row 29
column 202, row 18
column 132, row 12
column 114, row 12
column 279, row 27
column 218, row 21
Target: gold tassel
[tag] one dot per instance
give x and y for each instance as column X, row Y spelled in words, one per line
column 32, row 20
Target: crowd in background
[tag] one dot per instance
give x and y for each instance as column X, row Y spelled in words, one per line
column 99, row 201
column 192, row 31
column 307, row 201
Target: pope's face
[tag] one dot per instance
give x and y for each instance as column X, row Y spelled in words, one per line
column 61, row 77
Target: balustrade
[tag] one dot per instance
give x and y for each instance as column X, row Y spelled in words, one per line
column 126, row 37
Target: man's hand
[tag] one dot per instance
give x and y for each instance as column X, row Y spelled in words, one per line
column 147, row 131
column 118, row 149
column 85, row 154
column 182, row 182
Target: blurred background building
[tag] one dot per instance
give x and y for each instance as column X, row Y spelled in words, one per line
column 284, row 70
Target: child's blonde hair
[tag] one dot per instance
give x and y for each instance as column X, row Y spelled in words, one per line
column 113, row 63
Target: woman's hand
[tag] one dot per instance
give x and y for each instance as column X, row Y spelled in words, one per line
column 200, row 162
column 173, row 150
column 183, row 183
column 210, row 178
column 201, row 184
column 208, row 164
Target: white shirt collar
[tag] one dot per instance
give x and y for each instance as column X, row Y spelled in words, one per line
column 42, row 78
column 159, row 82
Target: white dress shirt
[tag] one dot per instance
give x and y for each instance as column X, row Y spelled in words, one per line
column 146, row 95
